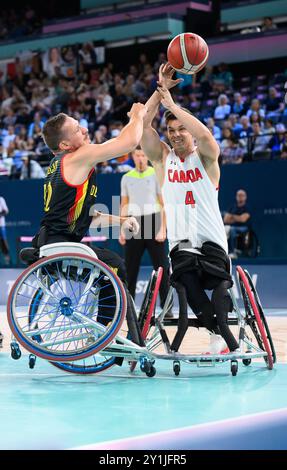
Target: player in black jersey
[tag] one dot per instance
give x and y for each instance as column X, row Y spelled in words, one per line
column 70, row 186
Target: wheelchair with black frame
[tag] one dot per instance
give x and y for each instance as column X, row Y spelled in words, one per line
column 70, row 309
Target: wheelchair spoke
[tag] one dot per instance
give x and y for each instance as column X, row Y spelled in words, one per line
column 59, row 308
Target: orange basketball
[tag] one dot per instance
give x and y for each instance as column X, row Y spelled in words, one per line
column 187, row 53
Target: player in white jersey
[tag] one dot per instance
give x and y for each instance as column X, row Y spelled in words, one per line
column 188, row 173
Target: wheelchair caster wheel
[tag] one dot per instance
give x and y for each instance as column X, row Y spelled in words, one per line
column 145, row 365
column 32, row 361
column 246, row 362
column 151, row 372
column 176, row 367
column 234, row 368
column 15, row 350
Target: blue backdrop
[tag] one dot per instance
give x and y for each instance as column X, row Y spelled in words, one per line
column 270, row 281
column 264, row 182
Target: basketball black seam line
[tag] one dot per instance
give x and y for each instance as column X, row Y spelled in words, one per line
column 196, row 54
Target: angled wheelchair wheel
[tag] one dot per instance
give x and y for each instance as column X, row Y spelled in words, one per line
column 66, row 307
column 148, row 306
column 149, row 301
column 155, row 285
column 255, row 317
column 90, row 365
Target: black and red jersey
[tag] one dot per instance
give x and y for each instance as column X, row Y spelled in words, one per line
column 67, row 207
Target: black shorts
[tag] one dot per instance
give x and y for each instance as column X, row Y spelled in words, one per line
column 113, row 260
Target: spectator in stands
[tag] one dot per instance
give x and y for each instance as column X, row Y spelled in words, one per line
column 105, row 168
column 255, row 117
column 255, row 107
column 258, row 141
column 237, row 220
column 8, row 138
column 51, row 60
column 268, row 126
column 129, row 88
column 223, row 109
column 268, row 25
column 227, row 134
column 273, row 104
column 121, row 104
column 223, row 79
column 206, row 80
column 245, row 128
column 103, row 107
column 233, row 123
column 100, row 135
column 232, row 153
column 278, row 141
column 3, row 237
column 37, row 121
column 87, row 55
column 238, row 106
column 9, row 118
column 215, row 130
column 31, row 169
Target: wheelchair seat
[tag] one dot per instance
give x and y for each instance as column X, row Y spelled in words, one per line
column 31, row 255
column 66, row 247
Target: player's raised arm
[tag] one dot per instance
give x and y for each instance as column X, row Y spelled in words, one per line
column 207, row 145
column 151, row 143
column 126, row 141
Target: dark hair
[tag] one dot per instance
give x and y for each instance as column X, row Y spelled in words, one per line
column 169, row 116
column 52, row 131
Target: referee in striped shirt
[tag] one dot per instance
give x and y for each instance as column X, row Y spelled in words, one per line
column 141, row 198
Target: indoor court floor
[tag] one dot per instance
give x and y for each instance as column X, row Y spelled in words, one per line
column 46, row 408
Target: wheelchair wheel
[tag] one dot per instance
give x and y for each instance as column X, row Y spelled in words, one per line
column 262, row 316
column 148, row 306
column 255, row 317
column 147, row 299
column 90, row 365
column 66, row 307
column 155, row 285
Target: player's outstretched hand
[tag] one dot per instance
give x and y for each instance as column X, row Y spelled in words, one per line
column 165, row 79
column 137, row 109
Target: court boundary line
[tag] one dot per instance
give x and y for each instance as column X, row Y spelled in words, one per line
column 167, row 433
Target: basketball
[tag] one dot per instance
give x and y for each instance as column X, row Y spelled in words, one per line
column 187, row 53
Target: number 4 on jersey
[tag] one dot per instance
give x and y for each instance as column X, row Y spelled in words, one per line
column 189, row 199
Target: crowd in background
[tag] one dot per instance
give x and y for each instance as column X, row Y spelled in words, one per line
column 247, row 115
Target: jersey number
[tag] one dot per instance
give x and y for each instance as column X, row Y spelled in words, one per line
column 47, row 196
column 189, row 199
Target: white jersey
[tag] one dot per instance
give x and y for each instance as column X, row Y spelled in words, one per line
column 191, row 203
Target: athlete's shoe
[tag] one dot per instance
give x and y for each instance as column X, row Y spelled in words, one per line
column 217, row 345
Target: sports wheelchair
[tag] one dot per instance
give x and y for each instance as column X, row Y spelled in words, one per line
column 69, row 308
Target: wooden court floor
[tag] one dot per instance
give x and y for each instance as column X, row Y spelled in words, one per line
column 195, row 341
